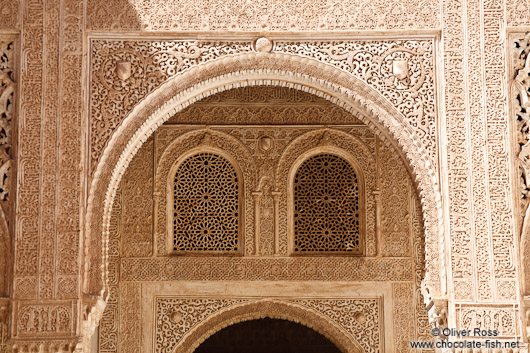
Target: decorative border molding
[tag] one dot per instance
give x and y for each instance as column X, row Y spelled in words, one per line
column 266, row 269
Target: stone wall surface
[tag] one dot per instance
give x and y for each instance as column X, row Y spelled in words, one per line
column 77, row 78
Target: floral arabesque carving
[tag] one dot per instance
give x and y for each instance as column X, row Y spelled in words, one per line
column 251, row 69
column 124, row 72
column 266, row 269
column 522, row 98
column 521, row 84
column 182, row 324
column 402, row 71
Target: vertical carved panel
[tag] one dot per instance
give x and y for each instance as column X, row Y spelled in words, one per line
column 3, row 337
column 267, row 218
column 422, row 326
column 137, row 193
column 458, row 158
column 27, row 226
column 7, row 107
column 108, row 327
column 403, row 316
column 395, row 207
column 521, row 102
column 129, row 339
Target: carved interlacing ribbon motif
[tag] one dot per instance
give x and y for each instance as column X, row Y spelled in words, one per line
column 124, row 72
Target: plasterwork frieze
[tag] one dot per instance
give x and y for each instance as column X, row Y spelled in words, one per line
column 263, row 269
column 42, row 319
column 261, row 15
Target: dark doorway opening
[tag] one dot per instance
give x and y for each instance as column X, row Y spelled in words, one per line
column 267, row 336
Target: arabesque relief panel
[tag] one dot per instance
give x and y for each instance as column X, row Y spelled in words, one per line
column 125, row 71
column 177, row 317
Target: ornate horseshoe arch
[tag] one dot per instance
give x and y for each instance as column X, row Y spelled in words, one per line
column 257, row 68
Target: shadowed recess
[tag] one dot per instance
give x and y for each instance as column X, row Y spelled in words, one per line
column 267, row 336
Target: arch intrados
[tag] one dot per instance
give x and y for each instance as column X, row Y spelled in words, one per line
column 242, row 70
column 268, row 309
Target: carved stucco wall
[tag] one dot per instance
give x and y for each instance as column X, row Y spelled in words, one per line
column 403, row 92
column 475, row 167
column 236, row 118
column 49, row 172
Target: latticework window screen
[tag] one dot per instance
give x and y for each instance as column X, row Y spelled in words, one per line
column 206, row 205
column 326, row 206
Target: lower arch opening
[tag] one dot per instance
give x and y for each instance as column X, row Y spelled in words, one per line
column 267, row 336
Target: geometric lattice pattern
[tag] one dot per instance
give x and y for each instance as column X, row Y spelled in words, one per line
column 326, row 206
column 205, row 205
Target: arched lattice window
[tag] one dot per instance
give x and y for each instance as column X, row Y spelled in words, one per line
column 326, row 206
column 206, row 205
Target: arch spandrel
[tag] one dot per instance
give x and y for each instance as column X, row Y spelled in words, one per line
column 203, row 80
column 272, row 309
